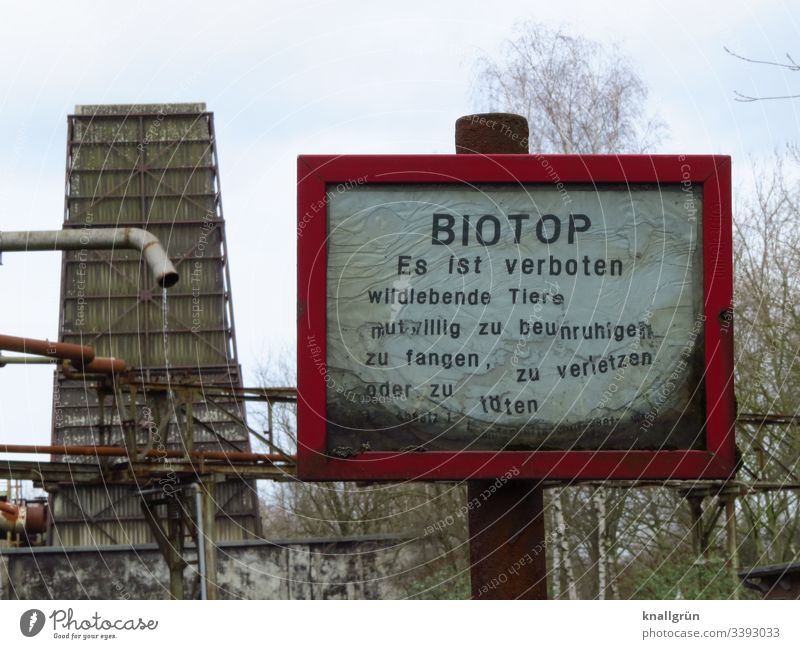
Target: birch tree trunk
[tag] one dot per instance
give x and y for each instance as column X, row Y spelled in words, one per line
column 563, row 550
column 599, row 506
column 556, row 553
column 614, row 584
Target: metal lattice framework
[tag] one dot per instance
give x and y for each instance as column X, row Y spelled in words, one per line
column 153, row 167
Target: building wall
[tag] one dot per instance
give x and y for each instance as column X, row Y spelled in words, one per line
column 358, row 568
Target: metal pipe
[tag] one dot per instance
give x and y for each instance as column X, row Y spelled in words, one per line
column 26, row 360
column 12, row 519
column 30, row 518
column 97, row 239
column 201, row 540
column 120, row 451
column 100, row 365
column 76, row 353
column 82, row 357
column 37, row 515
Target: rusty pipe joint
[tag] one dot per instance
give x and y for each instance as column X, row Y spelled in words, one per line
column 12, row 518
column 97, row 239
column 100, row 365
column 23, row 518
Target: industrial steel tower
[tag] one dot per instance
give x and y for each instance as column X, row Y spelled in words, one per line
column 153, row 167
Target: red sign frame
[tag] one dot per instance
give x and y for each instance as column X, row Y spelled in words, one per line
column 319, row 174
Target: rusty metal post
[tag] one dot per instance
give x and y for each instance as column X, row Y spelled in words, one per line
column 696, row 510
column 176, row 535
column 187, row 429
column 129, row 425
column 507, row 540
column 208, row 515
column 169, row 538
column 507, row 533
column 270, row 434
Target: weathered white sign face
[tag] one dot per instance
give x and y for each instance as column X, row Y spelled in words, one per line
column 514, row 317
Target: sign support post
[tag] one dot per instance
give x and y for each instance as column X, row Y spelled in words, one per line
column 506, row 527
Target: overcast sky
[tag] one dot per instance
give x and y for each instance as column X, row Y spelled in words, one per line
column 285, row 78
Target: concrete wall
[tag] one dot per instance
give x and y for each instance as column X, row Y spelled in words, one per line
column 289, row 569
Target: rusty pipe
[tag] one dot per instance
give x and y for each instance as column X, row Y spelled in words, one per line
column 97, row 239
column 11, row 518
column 119, row 451
column 100, row 365
column 30, row 518
column 82, row 357
column 78, row 354
column 37, row 515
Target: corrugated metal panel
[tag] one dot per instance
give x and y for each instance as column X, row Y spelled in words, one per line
column 111, row 514
column 150, row 166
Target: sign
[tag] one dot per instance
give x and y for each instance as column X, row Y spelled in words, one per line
column 559, row 316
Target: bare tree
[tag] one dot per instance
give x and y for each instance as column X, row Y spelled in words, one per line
column 767, row 258
column 582, row 97
column 578, row 96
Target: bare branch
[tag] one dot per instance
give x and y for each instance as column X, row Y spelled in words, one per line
column 794, row 67
column 747, row 98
